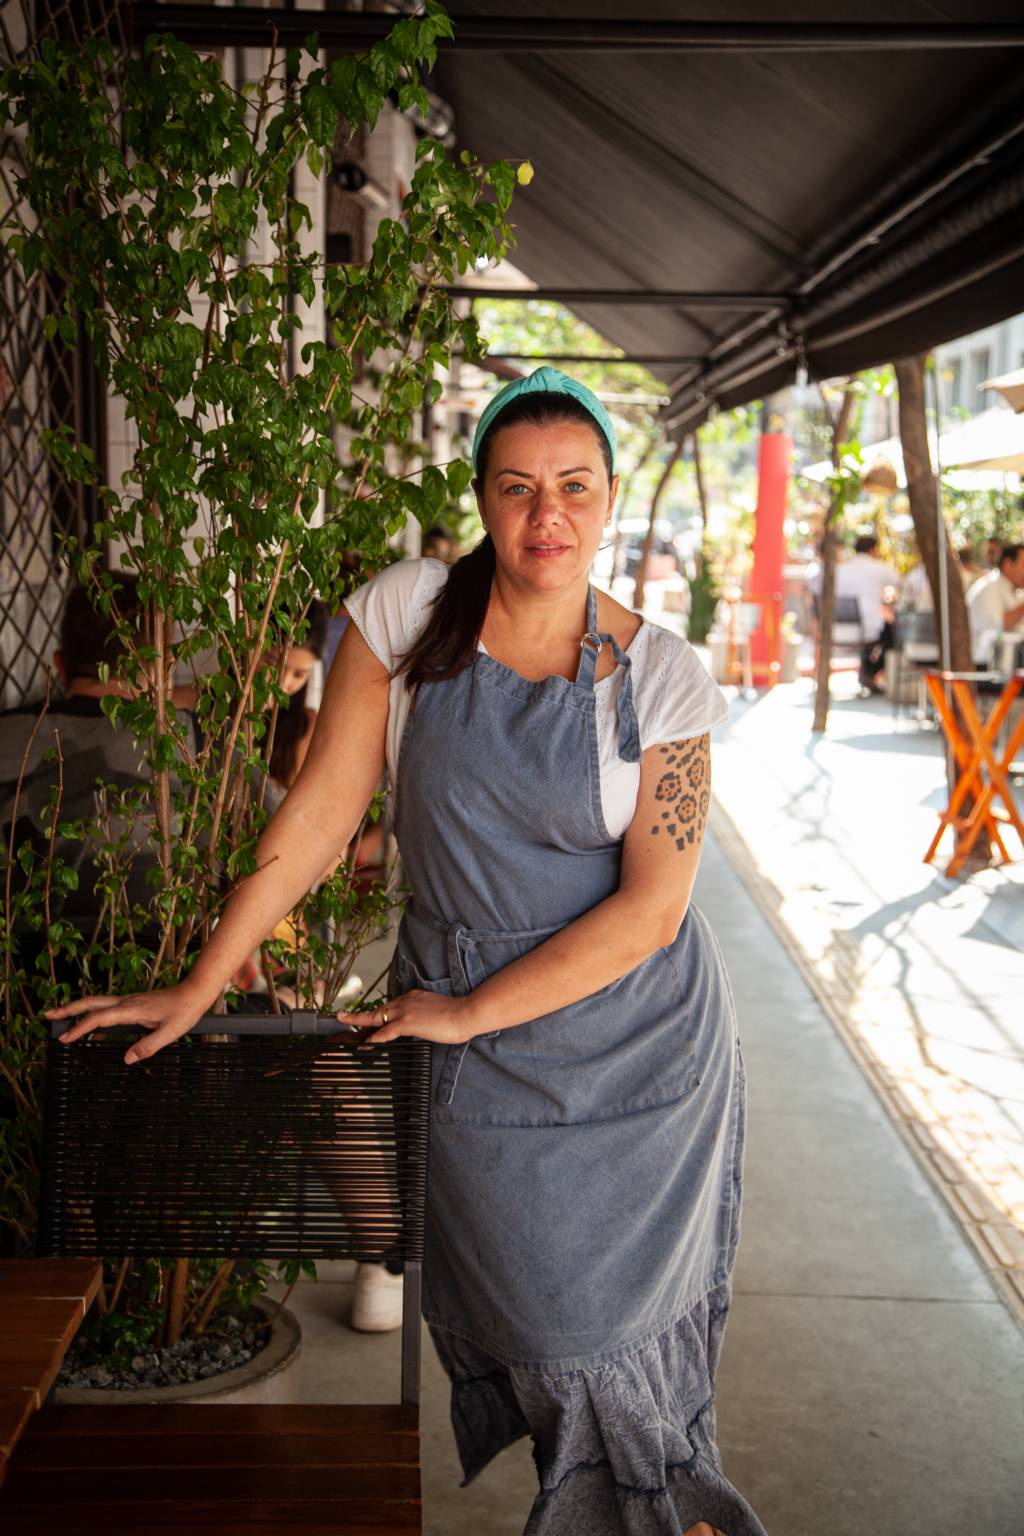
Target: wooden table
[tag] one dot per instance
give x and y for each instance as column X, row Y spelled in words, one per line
column 982, row 776
column 42, row 1304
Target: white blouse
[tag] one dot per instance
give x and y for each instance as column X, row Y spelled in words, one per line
column 674, row 695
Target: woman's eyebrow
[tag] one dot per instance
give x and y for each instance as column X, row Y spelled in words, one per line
column 524, row 474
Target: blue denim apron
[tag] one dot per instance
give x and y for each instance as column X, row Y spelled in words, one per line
column 585, row 1167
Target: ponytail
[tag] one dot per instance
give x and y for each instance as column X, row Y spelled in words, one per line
column 448, row 644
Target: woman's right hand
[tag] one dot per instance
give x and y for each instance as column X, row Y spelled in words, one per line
column 168, row 1013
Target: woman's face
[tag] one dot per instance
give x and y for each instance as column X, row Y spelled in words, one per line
column 298, row 666
column 546, row 501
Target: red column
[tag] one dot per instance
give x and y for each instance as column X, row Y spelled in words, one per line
column 766, row 579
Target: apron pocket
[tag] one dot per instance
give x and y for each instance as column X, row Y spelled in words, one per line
column 621, row 1051
column 406, row 976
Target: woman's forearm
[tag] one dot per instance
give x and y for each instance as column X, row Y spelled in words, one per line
column 291, row 856
column 605, row 943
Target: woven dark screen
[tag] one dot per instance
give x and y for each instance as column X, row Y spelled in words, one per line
column 42, row 385
column 268, row 1145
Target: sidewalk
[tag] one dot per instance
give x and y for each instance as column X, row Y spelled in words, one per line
column 871, row 1379
column 922, row 976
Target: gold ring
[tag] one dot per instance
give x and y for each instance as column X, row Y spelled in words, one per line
column 384, row 1014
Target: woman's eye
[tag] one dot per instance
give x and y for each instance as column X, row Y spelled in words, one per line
column 575, row 485
column 511, row 489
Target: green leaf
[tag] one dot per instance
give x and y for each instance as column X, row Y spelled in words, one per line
column 459, row 475
column 503, row 179
column 320, row 113
column 435, row 488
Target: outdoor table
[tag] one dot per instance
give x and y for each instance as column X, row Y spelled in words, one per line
column 981, row 774
column 42, row 1303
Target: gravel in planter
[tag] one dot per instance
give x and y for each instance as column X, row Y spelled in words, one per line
column 233, row 1342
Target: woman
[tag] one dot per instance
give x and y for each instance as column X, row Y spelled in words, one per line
column 587, row 1123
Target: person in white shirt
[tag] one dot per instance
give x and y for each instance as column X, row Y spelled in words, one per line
column 873, row 583
column 994, row 603
column 916, row 592
column 970, row 570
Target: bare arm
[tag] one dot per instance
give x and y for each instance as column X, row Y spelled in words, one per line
column 660, row 855
column 316, row 820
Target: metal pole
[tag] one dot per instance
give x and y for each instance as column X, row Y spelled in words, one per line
column 940, row 528
column 681, row 298
column 250, row 24
column 651, row 359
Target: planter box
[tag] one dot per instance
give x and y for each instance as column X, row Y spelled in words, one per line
column 285, row 1343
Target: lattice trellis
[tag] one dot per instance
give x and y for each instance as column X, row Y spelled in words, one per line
column 41, row 385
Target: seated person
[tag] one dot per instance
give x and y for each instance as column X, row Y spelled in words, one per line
column 437, row 544
column 867, row 577
column 994, row 604
column 970, row 570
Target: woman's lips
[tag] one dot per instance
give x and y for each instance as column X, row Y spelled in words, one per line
column 546, row 551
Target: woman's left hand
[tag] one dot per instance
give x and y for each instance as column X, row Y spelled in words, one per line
column 425, row 1015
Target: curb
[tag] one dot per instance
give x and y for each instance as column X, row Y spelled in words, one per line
column 767, row 897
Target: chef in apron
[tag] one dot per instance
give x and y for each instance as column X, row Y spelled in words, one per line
column 548, row 753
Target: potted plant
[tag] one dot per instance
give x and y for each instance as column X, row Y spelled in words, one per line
column 147, row 179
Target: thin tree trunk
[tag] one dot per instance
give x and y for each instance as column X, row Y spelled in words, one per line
column 641, row 575
column 921, row 489
column 626, row 490
column 702, row 497
column 176, row 1301
column 827, row 595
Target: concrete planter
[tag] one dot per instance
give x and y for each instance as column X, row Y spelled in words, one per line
column 285, row 1343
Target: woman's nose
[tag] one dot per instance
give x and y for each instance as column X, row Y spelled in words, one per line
column 546, row 505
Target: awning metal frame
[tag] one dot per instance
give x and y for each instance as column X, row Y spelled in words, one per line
column 771, row 330
column 252, row 25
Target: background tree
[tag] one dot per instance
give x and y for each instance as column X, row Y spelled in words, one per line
column 844, row 487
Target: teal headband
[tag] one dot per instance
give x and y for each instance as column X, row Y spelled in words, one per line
column 545, row 381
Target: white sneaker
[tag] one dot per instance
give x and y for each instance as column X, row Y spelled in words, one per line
column 377, row 1307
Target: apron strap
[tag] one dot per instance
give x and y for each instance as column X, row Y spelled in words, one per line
column 590, row 649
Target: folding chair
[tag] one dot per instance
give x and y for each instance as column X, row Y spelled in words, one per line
column 265, row 1143
column 916, row 649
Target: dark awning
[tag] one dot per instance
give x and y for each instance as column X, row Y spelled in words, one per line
column 878, row 192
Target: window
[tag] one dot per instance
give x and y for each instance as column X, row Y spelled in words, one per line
column 955, row 374
column 981, row 369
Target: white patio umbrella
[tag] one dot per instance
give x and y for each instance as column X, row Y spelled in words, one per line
column 961, row 478
column 1010, row 386
column 992, row 441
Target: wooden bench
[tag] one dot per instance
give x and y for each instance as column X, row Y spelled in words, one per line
column 42, row 1303
column 265, row 1146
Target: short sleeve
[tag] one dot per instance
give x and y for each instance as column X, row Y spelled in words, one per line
column 391, row 609
column 677, row 697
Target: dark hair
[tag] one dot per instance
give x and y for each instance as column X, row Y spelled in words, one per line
column 87, row 635
column 865, row 543
column 965, row 554
column 291, row 717
column 449, row 640
column 1010, row 552
column 437, row 532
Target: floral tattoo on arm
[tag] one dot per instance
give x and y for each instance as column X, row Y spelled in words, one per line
column 684, row 790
